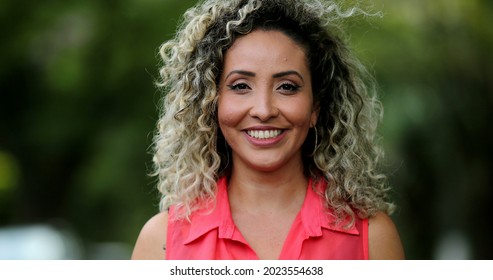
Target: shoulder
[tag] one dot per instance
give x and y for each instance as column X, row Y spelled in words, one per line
column 384, row 240
column 152, row 239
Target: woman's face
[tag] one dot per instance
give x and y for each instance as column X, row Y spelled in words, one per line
column 265, row 105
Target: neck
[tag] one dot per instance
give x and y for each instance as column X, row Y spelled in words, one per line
column 263, row 192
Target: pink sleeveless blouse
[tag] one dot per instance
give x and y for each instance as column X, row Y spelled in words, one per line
column 211, row 233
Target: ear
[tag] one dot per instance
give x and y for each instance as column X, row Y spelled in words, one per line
column 314, row 116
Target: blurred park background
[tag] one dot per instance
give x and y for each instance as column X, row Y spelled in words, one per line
column 78, row 108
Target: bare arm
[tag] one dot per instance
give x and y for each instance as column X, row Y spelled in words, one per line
column 151, row 242
column 384, row 241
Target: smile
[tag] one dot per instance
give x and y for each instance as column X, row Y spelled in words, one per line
column 264, row 134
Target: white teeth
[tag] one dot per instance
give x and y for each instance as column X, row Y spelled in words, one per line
column 264, row 134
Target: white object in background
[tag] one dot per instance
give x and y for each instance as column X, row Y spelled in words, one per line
column 37, row 242
column 453, row 245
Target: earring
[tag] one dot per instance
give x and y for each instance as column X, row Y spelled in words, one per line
column 316, row 140
column 227, row 154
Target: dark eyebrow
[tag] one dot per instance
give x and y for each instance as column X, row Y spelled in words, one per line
column 277, row 75
column 286, row 73
column 241, row 72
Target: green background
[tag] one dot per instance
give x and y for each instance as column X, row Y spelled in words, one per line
column 78, row 108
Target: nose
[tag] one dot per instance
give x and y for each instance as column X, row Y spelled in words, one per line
column 264, row 105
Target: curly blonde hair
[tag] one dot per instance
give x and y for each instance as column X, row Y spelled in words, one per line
column 190, row 152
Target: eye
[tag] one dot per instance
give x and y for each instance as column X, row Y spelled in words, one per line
column 288, row 87
column 239, row 87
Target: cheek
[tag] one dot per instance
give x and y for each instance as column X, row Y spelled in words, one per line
column 301, row 116
column 226, row 120
column 226, row 114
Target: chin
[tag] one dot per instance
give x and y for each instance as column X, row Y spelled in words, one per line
column 266, row 166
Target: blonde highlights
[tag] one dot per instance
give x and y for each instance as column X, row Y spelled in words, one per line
column 189, row 152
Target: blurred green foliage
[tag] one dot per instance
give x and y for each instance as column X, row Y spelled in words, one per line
column 77, row 112
column 78, row 108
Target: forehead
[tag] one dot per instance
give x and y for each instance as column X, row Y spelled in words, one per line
column 265, row 48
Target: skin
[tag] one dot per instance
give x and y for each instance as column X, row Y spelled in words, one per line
column 152, row 239
column 266, row 86
column 383, row 238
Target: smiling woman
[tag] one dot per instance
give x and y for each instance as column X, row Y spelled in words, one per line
column 265, row 107
column 264, row 149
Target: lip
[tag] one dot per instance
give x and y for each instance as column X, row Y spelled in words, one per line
column 264, row 142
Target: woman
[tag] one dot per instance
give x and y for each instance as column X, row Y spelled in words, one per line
column 265, row 145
